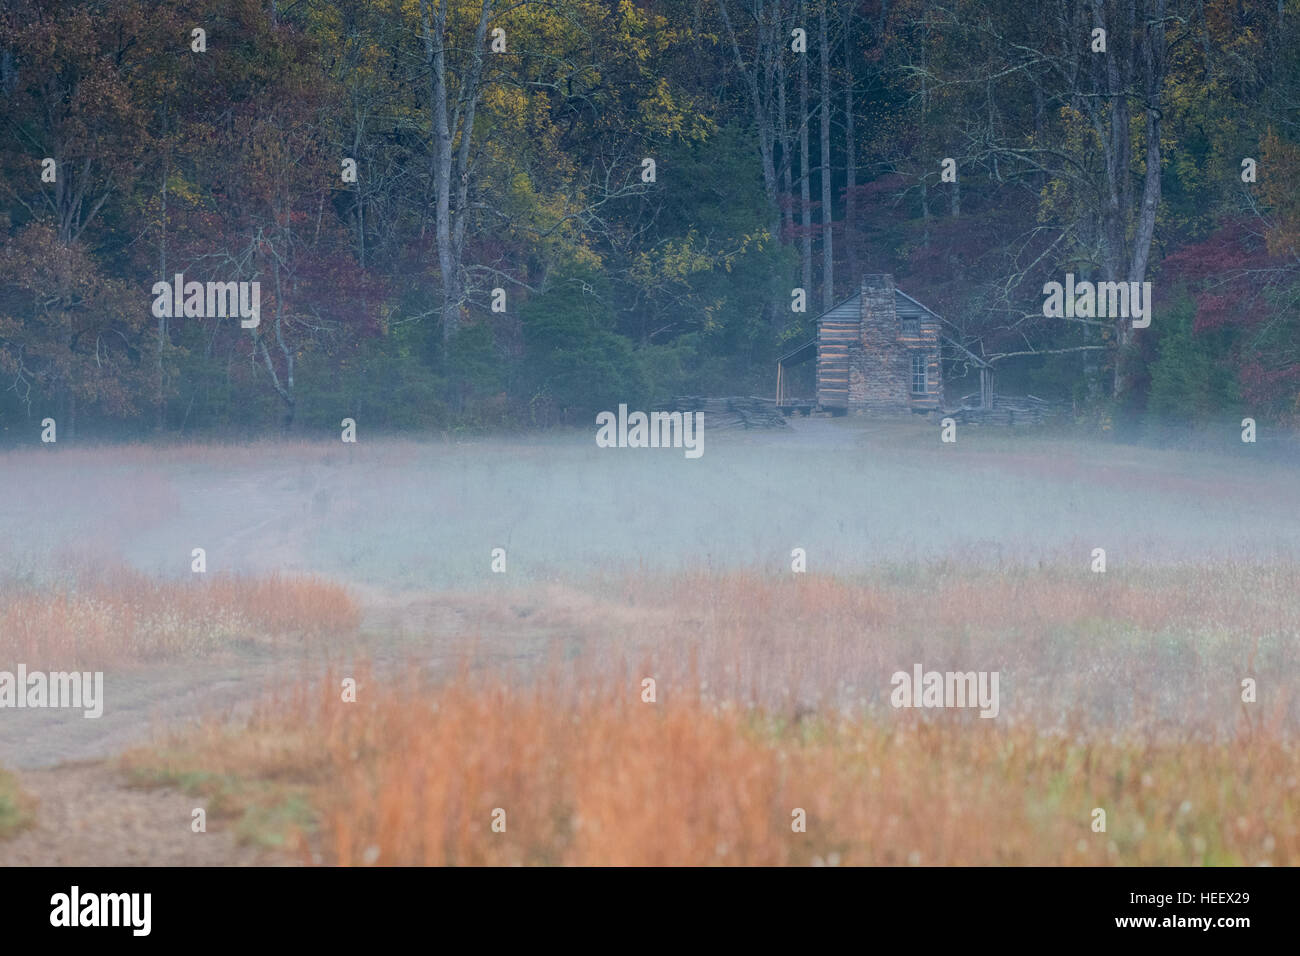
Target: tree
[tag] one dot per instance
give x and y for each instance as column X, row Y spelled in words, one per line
column 452, row 114
column 67, row 330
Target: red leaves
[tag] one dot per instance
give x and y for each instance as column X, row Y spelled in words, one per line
column 1226, row 272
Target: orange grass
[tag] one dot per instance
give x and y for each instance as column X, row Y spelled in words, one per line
column 592, row 775
column 119, row 615
column 1117, row 693
column 1159, row 650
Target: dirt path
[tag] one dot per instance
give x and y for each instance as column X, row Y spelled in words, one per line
column 86, row 815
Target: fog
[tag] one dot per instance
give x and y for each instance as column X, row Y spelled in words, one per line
column 426, row 515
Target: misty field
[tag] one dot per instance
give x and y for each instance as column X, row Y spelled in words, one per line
column 855, row 495
column 524, row 692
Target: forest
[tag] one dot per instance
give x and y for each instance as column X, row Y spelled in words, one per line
column 479, row 214
column 356, row 359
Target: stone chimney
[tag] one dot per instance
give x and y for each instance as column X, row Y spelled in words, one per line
column 878, row 304
column 879, row 371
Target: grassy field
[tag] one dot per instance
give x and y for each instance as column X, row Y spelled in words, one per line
column 607, row 779
column 523, row 691
column 853, row 494
column 773, row 695
column 115, row 616
column 15, row 805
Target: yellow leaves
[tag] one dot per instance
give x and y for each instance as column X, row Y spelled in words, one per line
column 1279, row 173
column 1055, row 200
column 581, row 255
column 510, row 104
column 663, row 116
column 631, row 31
column 674, row 261
column 1059, row 197
column 643, row 33
column 1079, row 132
column 180, row 187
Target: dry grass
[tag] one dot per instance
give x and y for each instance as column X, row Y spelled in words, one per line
column 1119, row 691
column 600, row 777
column 120, row 616
column 1119, row 694
column 16, row 807
column 1156, row 650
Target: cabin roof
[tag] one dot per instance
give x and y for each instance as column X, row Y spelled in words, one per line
column 800, row 353
column 841, row 304
column 898, row 292
column 904, row 305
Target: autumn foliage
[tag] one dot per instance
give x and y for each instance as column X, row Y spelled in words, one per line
column 757, row 715
column 119, row 616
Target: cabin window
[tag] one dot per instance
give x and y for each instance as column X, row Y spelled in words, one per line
column 919, row 366
column 912, row 328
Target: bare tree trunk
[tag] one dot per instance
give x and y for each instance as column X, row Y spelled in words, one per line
column 925, row 127
column 1153, row 75
column 160, row 405
column 828, row 245
column 850, row 153
column 805, row 186
column 1117, row 148
column 760, row 95
column 770, row 55
column 925, row 207
column 435, row 36
column 359, row 215
column 1153, row 69
column 283, row 387
column 1139, row 46
column 787, row 159
column 466, row 107
column 449, row 225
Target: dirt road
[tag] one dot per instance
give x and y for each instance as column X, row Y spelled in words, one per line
column 86, row 815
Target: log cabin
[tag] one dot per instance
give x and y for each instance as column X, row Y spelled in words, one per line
column 877, row 351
